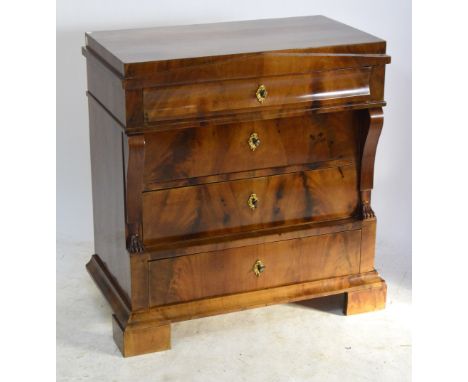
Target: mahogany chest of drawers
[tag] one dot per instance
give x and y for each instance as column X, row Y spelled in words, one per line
column 232, row 168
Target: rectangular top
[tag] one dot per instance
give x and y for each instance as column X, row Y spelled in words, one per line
column 304, row 34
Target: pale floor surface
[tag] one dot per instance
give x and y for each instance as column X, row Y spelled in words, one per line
column 308, row 341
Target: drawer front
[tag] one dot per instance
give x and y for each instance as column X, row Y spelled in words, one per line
column 248, row 204
column 324, row 88
column 211, row 150
column 229, row 271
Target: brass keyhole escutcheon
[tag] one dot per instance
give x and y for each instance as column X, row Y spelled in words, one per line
column 258, row 267
column 253, row 201
column 261, row 93
column 254, row 141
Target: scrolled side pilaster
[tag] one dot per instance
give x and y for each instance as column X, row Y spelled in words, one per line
column 133, row 195
column 371, row 135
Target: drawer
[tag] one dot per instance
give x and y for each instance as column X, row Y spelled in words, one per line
column 332, row 87
column 248, row 204
column 224, row 149
column 235, row 270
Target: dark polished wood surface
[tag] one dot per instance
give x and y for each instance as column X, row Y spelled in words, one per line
column 333, row 83
column 108, row 195
column 164, row 250
column 214, row 146
column 225, row 149
column 187, row 278
column 134, row 46
column 327, row 88
column 218, row 208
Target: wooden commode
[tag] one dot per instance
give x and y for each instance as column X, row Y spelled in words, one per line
column 232, row 168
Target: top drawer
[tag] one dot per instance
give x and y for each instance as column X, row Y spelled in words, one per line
column 332, row 87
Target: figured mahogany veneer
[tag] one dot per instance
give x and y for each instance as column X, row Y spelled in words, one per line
column 218, row 273
column 217, row 208
column 223, row 150
column 328, row 87
column 232, row 168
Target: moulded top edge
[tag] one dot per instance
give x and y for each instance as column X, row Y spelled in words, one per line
column 123, row 49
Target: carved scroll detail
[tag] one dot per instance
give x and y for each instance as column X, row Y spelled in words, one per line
column 366, row 211
column 370, row 139
column 134, row 189
column 134, row 244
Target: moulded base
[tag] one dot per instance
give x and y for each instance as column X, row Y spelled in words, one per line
column 147, row 331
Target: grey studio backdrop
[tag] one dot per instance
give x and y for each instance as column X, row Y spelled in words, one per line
column 389, row 20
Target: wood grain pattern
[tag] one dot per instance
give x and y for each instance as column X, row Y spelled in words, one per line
column 166, row 250
column 108, row 194
column 130, row 51
column 157, row 318
column 211, row 150
column 171, row 112
column 216, row 305
column 258, row 298
column 266, row 113
column 249, row 174
column 324, row 88
column 371, row 134
column 105, row 86
column 150, row 329
column 140, row 280
column 109, row 286
column 366, row 299
column 210, row 274
column 369, row 228
column 140, row 339
column 134, row 188
column 372, row 131
column 123, row 98
column 320, row 55
column 220, row 208
column 266, row 64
